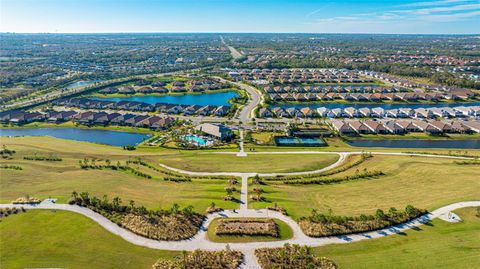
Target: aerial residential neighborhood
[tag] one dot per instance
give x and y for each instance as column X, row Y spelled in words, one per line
column 249, row 134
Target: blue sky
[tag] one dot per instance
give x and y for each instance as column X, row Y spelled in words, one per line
column 347, row 16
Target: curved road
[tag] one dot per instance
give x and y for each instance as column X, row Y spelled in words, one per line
column 246, row 113
column 200, row 241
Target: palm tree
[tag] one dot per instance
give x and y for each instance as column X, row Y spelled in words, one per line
column 175, row 209
column 116, row 202
column 75, row 195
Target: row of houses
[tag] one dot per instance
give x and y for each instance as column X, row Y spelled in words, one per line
column 161, row 89
column 86, row 103
column 342, row 73
column 299, row 75
column 376, row 112
column 335, row 89
column 368, row 97
column 88, row 118
column 355, row 127
column 410, row 84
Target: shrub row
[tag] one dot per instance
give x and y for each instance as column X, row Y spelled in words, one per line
column 6, row 153
column 292, row 257
column 92, row 165
column 474, row 162
column 224, row 259
column 177, row 179
column 172, row 224
column 5, row 212
column 450, row 153
column 250, row 227
column 326, row 181
column 43, row 158
column 13, row 167
column 318, row 224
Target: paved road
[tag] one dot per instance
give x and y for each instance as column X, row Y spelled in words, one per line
column 200, row 241
column 233, row 51
column 255, row 98
column 342, row 156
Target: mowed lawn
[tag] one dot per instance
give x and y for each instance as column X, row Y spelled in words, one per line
column 439, row 245
column 426, row 183
column 61, row 239
column 43, row 179
column 260, row 163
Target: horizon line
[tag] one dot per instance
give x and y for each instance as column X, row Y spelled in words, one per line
column 208, row 32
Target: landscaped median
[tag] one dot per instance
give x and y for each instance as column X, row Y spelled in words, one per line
column 319, row 225
column 223, row 259
column 291, row 257
column 235, row 230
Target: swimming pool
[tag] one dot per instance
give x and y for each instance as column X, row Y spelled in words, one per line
column 196, row 139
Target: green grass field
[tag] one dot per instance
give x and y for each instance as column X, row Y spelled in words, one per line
column 40, row 239
column 439, row 245
column 426, row 183
column 285, row 232
column 43, row 179
column 205, row 162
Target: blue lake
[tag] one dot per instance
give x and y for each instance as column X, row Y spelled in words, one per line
column 106, row 137
column 384, row 106
column 81, row 84
column 202, row 99
column 417, row 143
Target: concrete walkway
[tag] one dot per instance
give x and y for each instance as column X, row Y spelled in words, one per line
column 242, row 152
column 342, row 157
column 200, row 241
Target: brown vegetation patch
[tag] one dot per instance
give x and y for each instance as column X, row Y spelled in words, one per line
column 318, row 225
column 26, row 200
column 291, row 257
column 224, row 259
column 166, row 227
column 173, row 224
column 251, row 227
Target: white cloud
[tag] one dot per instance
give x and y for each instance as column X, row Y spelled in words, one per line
column 451, row 17
column 426, row 11
column 434, row 3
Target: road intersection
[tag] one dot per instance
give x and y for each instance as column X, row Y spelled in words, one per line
column 200, row 240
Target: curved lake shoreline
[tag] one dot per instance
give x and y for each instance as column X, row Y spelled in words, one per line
column 106, row 137
column 202, row 99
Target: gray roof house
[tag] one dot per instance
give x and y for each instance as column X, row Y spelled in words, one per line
column 216, row 130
